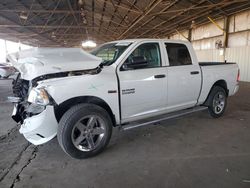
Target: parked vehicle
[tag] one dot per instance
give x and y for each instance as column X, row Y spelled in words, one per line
column 80, row 97
column 6, row 70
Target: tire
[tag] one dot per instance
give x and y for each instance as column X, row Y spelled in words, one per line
column 84, row 131
column 217, row 101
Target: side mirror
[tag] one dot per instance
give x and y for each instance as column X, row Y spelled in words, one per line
column 136, row 62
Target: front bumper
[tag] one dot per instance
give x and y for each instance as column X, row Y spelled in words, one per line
column 40, row 128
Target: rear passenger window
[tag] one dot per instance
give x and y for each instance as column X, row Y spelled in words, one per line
column 178, row 54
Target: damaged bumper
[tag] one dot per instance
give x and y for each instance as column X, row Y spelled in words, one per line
column 34, row 110
column 40, row 128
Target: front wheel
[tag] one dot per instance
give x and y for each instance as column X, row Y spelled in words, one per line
column 217, row 101
column 84, row 130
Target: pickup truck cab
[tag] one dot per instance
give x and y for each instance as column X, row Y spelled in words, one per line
column 80, row 97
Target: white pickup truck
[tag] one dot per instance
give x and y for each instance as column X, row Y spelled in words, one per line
column 80, row 97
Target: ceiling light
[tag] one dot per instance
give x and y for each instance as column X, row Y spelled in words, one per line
column 23, row 15
column 80, row 2
column 84, row 21
column 88, row 44
column 193, row 25
column 53, row 35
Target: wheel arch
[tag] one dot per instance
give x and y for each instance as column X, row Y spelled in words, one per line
column 66, row 105
column 221, row 83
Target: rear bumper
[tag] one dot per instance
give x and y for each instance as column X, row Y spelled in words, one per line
column 40, row 128
column 236, row 89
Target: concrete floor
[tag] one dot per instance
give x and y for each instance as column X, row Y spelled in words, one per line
column 194, row 151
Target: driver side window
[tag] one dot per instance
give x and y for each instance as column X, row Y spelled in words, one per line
column 144, row 56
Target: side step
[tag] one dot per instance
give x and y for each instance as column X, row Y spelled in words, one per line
column 162, row 118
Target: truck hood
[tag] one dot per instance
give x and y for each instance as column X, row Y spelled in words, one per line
column 42, row 61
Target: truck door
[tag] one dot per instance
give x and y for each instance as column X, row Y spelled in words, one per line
column 184, row 77
column 143, row 83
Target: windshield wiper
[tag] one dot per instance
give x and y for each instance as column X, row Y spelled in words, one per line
column 102, row 64
column 106, row 63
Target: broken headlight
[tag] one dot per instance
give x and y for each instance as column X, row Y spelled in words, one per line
column 39, row 96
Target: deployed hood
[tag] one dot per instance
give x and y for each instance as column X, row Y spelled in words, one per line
column 40, row 61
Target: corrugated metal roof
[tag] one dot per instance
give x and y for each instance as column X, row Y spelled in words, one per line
column 68, row 22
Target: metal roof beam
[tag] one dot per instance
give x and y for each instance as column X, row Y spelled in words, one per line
column 139, row 18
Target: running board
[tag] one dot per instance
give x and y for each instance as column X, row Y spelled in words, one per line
column 160, row 118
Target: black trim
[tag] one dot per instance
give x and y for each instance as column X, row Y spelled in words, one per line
column 112, row 91
column 40, row 135
column 179, row 65
column 143, row 68
column 199, row 63
column 160, row 53
column 119, row 94
column 194, row 72
column 96, row 70
column 201, row 86
column 180, row 44
column 215, row 63
column 160, row 76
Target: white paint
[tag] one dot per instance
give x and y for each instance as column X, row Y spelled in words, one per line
column 211, row 74
column 177, row 90
column 39, row 61
column 37, row 125
column 240, row 55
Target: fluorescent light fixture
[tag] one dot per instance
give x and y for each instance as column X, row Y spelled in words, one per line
column 88, row 44
column 23, row 16
column 53, row 35
column 80, row 2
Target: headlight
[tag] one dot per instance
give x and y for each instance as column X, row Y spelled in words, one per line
column 39, row 96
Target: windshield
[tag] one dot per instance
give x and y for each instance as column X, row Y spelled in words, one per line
column 110, row 52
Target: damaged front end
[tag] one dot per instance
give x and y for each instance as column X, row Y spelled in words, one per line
column 23, row 108
column 20, row 89
column 29, row 100
column 33, row 109
column 33, row 105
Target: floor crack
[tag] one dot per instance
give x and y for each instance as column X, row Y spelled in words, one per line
column 33, row 156
column 13, row 130
column 16, row 161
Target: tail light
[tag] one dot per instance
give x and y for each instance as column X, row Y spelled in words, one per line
column 238, row 76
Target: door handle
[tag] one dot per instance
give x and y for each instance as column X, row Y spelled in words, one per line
column 194, row 72
column 160, row 76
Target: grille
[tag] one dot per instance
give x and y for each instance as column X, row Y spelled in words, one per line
column 20, row 87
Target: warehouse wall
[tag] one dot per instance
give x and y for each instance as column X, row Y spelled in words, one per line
column 241, row 55
column 204, row 38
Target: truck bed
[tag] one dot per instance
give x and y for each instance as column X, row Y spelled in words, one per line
column 212, row 73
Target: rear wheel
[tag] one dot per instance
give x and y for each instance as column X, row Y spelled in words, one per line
column 84, row 130
column 217, row 101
